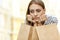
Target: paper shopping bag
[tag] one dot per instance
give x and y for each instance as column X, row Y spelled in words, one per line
column 47, row 32
column 24, row 32
column 33, row 34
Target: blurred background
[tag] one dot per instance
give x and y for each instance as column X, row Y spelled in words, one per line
column 12, row 14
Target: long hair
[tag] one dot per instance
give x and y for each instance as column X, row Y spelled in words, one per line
column 38, row 2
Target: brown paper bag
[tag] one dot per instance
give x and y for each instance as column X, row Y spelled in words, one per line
column 46, row 32
column 24, row 32
column 33, row 34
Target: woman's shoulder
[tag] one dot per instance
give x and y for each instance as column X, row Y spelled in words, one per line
column 51, row 19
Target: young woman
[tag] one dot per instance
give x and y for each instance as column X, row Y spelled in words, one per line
column 36, row 14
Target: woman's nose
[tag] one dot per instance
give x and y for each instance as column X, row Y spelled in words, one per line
column 35, row 14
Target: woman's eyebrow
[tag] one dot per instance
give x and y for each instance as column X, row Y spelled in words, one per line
column 38, row 9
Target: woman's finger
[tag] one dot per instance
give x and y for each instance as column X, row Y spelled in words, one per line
column 43, row 18
column 29, row 17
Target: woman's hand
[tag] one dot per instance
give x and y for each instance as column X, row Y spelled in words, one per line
column 30, row 18
column 43, row 18
column 36, row 20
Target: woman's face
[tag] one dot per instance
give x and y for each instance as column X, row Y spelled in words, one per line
column 36, row 10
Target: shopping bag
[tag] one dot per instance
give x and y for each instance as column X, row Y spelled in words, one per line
column 45, row 32
column 48, row 32
column 33, row 34
column 24, row 32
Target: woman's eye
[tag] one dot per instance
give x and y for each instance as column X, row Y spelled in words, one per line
column 38, row 10
column 31, row 11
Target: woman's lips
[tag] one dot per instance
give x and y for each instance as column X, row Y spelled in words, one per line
column 36, row 18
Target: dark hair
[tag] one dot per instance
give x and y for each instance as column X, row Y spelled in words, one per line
column 39, row 2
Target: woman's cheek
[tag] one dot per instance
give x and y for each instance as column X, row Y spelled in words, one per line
column 42, row 13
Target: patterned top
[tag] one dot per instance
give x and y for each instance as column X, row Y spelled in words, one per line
column 51, row 20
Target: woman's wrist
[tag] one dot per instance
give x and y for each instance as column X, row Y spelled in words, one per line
column 39, row 24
